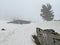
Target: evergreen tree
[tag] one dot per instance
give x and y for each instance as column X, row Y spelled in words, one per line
column 47, row 13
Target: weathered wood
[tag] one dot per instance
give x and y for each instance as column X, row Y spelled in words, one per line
column 48, row 37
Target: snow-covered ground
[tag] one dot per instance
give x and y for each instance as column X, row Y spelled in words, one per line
column 16, row 34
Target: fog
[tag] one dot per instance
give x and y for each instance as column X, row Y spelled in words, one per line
column 26, row 9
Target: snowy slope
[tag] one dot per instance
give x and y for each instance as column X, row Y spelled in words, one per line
column 50, row 25
column 17, row 34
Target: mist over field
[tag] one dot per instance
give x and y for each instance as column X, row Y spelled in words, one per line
column 20, row 18
column 26, row 9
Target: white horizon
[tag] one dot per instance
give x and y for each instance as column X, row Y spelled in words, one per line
column 26, row 9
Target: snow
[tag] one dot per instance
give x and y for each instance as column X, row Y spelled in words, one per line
column 16, row 34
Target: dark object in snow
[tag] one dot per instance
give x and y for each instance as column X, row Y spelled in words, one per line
column 49, row 30
column 20, row 22
column 3, row 29
column 48, row 37
column 36, row 40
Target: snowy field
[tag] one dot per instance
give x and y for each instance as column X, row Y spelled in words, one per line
column 16, row 34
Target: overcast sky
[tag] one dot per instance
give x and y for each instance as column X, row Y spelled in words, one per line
column 26, row 9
